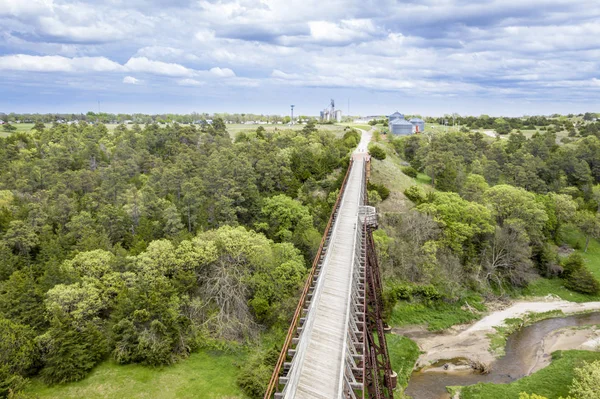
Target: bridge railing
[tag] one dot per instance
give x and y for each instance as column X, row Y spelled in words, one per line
column 292, row 331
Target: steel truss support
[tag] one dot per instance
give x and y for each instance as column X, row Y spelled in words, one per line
column 372, row 375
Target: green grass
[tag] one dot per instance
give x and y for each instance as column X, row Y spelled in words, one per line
column 576, row 239
column 498, row 339
column 544, row 286
column 389, row 173
column 357, row 125
column 423, row 179
column 234, row 129
column 403, row 353
column 551, row 382
column 438, row 316
column 203, row 375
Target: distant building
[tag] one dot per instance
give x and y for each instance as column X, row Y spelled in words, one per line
column 418, row 124
column 330, row 113
column 338, row 115
column 400, row 127
column 395, row 115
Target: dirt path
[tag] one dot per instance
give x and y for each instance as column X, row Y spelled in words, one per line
column 471, row 341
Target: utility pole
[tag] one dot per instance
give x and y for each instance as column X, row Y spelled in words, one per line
column 292, row 120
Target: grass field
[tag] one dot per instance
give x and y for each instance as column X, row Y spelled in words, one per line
column 437, row 316
column 389, row 173
column 552, row 382
column 234, row 129
column 403, row 355
column 203, row 375
column 356, row 125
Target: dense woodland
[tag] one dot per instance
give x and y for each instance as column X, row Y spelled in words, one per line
column 147, row 243
column 496, row 217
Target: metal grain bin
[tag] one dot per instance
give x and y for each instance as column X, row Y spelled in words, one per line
column 395, row 115
column 401, row 127
column 419, row 124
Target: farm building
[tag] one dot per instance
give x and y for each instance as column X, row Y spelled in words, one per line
column 400, row 126
column 395, row 115
column 419, row 124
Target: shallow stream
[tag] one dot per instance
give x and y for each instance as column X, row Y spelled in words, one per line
column 521, row 357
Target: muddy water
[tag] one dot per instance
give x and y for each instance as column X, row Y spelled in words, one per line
column 521, row 356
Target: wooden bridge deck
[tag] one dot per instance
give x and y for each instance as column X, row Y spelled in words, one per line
column 320, row 372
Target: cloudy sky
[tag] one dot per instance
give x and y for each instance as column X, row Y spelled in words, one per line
column 508, row 57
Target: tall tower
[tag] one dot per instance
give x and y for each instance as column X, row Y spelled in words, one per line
column 292, row 120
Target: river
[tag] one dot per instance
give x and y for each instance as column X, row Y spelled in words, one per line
column 521, row 357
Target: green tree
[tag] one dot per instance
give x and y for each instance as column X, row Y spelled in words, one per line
column 589, row 224
column 288, row 220
column 562, row 209
column 21, row 237
column 586, row 381
column 8, row 127
column 474, row 188
column 464, row 223
column 21, row 300
column 68, row 354
column 18, row 355
column 515, row 206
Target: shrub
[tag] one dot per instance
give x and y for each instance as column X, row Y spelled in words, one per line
column 382, row 190
column 572, row 263
column 581, row 280
column 18, row 356
column 374, row 198
column 377, row 152
column 586, row 381
column 256, row 373
column 69, row 354
column 416, row 194
column 410, row 171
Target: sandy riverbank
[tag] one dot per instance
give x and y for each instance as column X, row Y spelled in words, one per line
column 565, row 339
column 471, row 341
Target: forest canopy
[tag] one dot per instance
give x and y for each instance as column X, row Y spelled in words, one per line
column 147, row 243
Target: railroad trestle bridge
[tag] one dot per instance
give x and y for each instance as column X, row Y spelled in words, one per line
column 335, row 346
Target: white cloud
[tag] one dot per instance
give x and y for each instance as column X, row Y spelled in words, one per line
column 345, row 31
column 20, row 8
column 131, row 80
column 438, row 47
column 166, row 53
column 282, row 75
column 189, row 82
column 205, row 35
column 143, row 64
column 95, row 32
column 222, row 72
column 56, row 63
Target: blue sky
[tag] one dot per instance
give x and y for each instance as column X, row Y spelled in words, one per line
column 509, row 57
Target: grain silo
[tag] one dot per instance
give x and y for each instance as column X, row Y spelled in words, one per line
column 419, row 124
column 400, row 127
column 395, row 115
column 338, row 115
